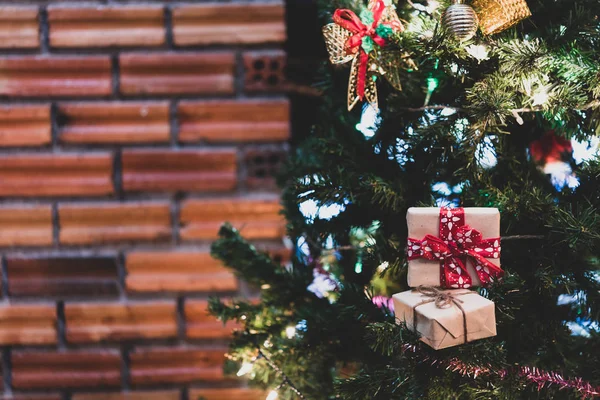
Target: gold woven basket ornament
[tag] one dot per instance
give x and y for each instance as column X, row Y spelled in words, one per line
column 498, row 15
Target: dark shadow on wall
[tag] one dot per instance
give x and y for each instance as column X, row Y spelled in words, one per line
column 305, row 51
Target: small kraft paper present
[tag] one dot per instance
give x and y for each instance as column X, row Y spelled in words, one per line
column 446, row 318
column 453, row 247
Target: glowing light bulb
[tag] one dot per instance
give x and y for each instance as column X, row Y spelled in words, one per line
column 478, row 51
column 540, row 98
column 273, row 395
column 290, row 332
column 245, row 369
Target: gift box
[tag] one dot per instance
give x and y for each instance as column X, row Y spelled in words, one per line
column 453, row 247
column 446, row 318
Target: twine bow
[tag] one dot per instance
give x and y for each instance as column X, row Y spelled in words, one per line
column 442, row 299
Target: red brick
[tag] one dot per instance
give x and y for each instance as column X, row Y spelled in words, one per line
column 115, row 122
column 137, row 395
column 93, row 223
column 26, row 225
column 55, row 76
column 265, row 71
column 256, row 219
column 228, row 24
column 56, row 174
column 177, row 272
column 102, row 26
column 19, row 27
column 62, row 276
column 27, row 125
column 176, row 73
column 95, row 322
column 234, row 121
column 65, row 369
column 153, row 366
column 179, row 170
column 32, row 396
column 32, row 324
column 227, row 394
column 201, row 325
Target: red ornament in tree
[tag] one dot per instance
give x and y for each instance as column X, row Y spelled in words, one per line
column 551, row 148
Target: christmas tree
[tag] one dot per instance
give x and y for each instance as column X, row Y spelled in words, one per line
column 457, row 105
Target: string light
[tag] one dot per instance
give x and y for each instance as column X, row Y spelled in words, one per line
column 480, row 52
column 245, row 369
column 540, row 97
column 290, row 332
column 273, row 395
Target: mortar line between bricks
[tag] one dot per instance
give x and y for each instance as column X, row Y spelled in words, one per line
column 174, row 124
column 54, row 128
column 168, row 16
column 7, row 370
column 125, row 368
column 117, row 175
column 115, row 76
column 44, row 30
column 181, row 322
column 55, row 225
column 4, row 267
column 121, row 275
column 61, row 324
column 175, row 217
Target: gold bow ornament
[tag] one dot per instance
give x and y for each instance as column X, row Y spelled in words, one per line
column 361, row 40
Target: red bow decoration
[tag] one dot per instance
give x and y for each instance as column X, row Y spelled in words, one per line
column 458, row 243
column 347, row 19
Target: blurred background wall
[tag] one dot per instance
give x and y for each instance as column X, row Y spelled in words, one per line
column 129, row 130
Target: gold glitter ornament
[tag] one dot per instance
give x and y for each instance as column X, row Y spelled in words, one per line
column 498, row 15
column 460, row 20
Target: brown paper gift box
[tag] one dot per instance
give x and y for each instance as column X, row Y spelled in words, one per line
column 426, row 220
column 444, row 327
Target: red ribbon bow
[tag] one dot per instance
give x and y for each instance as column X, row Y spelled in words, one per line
column 347, row 19
column 457, row 243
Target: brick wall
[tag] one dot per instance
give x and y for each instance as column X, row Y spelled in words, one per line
column 129, row 131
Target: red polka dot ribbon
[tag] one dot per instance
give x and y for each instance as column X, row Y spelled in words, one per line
column 457, row 243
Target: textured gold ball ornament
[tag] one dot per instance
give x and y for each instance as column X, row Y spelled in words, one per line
column 461, row 21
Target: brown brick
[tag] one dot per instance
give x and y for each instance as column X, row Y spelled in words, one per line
column 184, row 170
column 137, row 395
column 32, row 396
column 93, row 223
column 102, row 26
column 26, row 225
column 43, row 76
column 176, row 73
column 65, row 369
column 177, row 272
column 115, row 122
column 56, row 174
column 152, row 366
column 265, row 71
column 19, row 27
column 27, row 125
column 27, row 324
column 228, row 24
column 62, row 276
column 234, row 121
column 227, row 394
column 256, row 219
column 95, row 322
column 201, row 325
